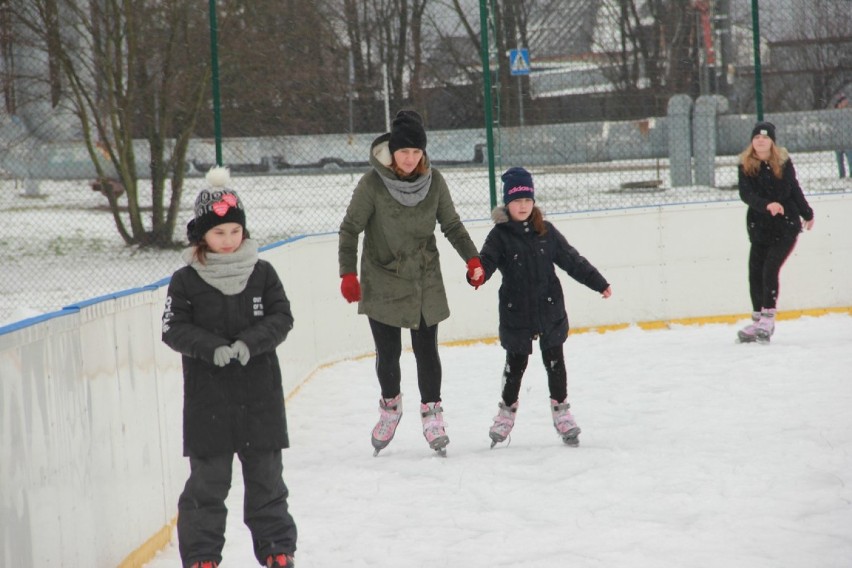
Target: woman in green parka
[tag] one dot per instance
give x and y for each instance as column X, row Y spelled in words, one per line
column 397, row 205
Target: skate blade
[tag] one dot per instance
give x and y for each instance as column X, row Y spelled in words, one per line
column 571, row 437
column 440, row 445
column 742, row 338
column 499, row 440
column 379, row 446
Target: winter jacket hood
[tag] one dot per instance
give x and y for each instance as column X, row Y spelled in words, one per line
column 531, row 300
column 400, row 268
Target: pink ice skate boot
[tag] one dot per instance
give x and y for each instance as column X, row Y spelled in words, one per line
column 766, row 326
column 433, row 426
column 390, row 411
column 748, row 334
column 503, row 423
column 564, row 423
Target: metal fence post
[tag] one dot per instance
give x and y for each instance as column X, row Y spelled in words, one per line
column 214, row 63
column 486, row 86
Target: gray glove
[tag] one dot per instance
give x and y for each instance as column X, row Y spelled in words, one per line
column 222, row 355
column 240, row 351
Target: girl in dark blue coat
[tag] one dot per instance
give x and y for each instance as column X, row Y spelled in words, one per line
column 226, row 313
column 526, row 249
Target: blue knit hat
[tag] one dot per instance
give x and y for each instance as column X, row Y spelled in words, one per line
column 517, row 184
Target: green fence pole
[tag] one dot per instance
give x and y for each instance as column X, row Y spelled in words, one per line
column 486, row 82
column 214, row 61
column 758, row 80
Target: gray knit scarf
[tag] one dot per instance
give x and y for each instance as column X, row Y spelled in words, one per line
column 409, row 193
column 228, row 273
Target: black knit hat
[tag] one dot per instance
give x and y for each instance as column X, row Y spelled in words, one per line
column 517, row 184
column 215, row 206
column 407, row 131
column 765, row 128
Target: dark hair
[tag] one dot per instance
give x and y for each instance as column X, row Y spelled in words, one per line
column 537, row 220
column 201, row 248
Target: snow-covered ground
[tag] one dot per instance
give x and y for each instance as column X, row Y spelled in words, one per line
column 696, row 452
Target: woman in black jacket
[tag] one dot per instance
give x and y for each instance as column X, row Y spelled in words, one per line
column 226, row 312
column 525, row 249
column 776, row 207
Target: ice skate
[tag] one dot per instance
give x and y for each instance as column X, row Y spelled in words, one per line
column 748, row 334
column 503, row 423
column 766, row 326
column 564, row 422
column 390, row 411
column 433, row 427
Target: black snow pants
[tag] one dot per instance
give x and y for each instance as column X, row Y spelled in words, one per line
column 202, row 512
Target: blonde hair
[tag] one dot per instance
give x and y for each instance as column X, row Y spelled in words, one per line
column 751, row 163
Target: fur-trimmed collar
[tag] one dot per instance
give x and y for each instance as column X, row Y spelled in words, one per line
column 500, row 214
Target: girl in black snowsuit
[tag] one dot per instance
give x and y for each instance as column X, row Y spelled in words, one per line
column 525, row 249
column 226, row 312
column 776, row 207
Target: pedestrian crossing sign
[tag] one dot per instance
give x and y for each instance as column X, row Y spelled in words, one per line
column 519, row 61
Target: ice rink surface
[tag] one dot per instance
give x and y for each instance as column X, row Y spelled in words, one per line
column 696, row 451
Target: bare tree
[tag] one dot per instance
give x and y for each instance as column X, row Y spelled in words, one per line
column 650, row 44
column 385, row 36
column 509, row 21
column 819, row 50
column 282, row 67
column 129, row 69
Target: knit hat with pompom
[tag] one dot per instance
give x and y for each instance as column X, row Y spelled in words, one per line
column 215, row 206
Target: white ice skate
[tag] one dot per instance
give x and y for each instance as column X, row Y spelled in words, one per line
column 390, row 411
column 503, row 423
column 748, row 334
column 433, row 427
column 564, row 422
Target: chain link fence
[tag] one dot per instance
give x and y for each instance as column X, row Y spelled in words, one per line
column 103, row 147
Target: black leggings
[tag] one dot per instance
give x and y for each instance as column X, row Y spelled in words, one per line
column 764, row 266
column 554, row 363
column 424, row 342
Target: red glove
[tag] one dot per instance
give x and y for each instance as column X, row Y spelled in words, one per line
column 472, row 265
column 350, row 288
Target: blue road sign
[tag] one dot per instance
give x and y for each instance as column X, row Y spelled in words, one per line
column 519, row 61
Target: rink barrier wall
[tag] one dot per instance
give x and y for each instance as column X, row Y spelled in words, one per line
column 90, row 398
